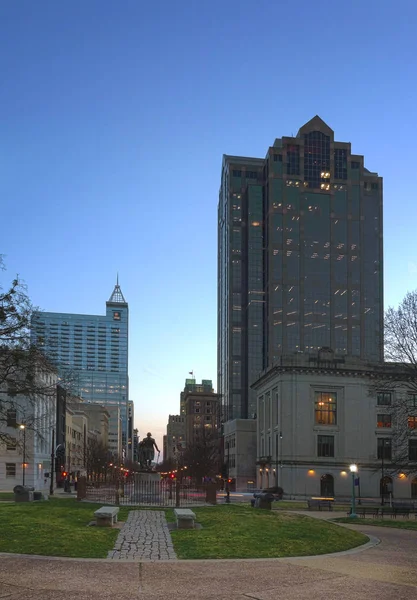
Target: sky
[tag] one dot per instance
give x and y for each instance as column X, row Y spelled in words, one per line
column 115, row 115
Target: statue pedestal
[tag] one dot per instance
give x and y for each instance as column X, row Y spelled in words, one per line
column 147, row 488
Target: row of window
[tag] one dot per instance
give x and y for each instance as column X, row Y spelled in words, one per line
column 325, row 448
column 325, row 405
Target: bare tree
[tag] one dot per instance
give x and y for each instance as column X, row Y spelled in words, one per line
column 98, row 460
column 202, row 456
column 395, row 386
column 26, row 374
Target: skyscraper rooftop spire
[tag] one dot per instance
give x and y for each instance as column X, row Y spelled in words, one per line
column 117, row 294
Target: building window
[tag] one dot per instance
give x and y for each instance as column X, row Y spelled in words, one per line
column 355, row 165
column 11, row 444
column 383, row 420
column 116, row 316
column 412, row 450
column 384, row 448
column 325, row 445
column 251, row 175
column 383, row 399
column 277, row 157
column 340, row 163
column 236, row 173
column 414, row 488
column 316, row 158
column 293, row 160
column 374, row 186
column 412, row 400
column 10, row 469
column 412, row 422
column 11, row 417
column 325, row 408
column 197, row 410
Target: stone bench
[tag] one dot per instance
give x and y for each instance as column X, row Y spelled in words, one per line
column 106, row 516
column 185, row 518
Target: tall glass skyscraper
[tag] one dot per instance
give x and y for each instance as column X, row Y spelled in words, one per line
column 300, row 259
column 94, row 348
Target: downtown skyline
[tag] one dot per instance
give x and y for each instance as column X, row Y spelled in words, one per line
column 106, row 172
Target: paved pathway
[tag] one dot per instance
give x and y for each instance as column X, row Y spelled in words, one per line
column 385, row 572
column 144, row 536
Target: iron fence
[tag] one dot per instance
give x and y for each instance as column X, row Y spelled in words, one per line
column 135, row 492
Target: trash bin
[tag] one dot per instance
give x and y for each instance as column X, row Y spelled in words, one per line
column 263, row 500
column 23, row 493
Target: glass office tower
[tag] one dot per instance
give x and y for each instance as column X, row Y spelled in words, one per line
column 94, row 348
column 300, row 259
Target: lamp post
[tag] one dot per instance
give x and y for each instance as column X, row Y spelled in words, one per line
column 23, row 428
column 51, row 482
column 227, row 473
column 353, row 469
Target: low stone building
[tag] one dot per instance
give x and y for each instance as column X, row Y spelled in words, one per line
column 317, row 415
column 240, row 453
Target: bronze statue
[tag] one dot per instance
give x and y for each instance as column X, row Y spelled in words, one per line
column 147, row 452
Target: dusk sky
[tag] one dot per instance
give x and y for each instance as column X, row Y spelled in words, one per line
column 114, row 119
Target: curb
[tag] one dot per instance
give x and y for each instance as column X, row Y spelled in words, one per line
column 371, row 543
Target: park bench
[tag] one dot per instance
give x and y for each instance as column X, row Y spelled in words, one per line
column 363, row 511
column 106, row 516
column 317, row 504
column 185, row 518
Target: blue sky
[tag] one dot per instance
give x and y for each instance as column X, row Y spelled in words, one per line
column 115, row 116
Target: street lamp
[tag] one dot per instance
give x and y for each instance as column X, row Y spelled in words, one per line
column 353, row 469
column 23, row 428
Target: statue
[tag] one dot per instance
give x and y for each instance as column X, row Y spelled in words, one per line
column 147, row 452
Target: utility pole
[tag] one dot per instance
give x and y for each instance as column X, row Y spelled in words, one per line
column 51, row 483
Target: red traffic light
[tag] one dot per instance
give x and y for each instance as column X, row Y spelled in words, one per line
column 64, row 473
column 172, row 475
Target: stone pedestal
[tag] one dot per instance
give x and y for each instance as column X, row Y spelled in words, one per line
column 147, row 488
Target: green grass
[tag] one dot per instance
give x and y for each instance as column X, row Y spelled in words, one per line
column 59, row 528
column 388, row 522
column 6, row 496
column 243, row 532
column 54, row 528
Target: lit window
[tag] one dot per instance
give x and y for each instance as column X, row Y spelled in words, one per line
column 325, row 408
column 412, row 422
column 383, row 421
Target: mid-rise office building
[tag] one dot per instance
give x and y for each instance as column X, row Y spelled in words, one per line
column 175, row 437
column 299, row 259
column 94, row 350
column 201, row 411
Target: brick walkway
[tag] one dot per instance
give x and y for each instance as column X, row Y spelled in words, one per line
column 144, row 536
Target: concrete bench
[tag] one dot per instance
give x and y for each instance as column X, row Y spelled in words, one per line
column 106, row 516
column 317, row 504
column 185, row 518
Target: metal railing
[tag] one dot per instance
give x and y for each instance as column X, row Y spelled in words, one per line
column 136, row 492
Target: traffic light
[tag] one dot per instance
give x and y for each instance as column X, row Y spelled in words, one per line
column 64, row 473
column 172, row 475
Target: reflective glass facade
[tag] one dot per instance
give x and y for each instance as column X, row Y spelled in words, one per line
column 315, row 265
column 94, row 348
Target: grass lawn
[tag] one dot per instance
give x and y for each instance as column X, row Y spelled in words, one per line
column 54, row 528
column 6, row 496
column 399, row 524
column 243, row 532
